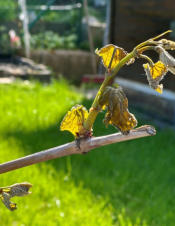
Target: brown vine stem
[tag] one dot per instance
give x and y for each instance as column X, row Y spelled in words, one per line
column 72, row 148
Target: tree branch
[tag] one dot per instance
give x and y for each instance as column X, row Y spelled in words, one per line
column 72, row 148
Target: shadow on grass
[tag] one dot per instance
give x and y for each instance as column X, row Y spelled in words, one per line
column 136, row 174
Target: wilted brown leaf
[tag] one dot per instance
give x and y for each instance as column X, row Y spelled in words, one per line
column 167, row 44
column 19, row 189
column 167, row 59
column 117, row 113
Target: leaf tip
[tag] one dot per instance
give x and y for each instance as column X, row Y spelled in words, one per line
column 159, row 89
column 97, row 51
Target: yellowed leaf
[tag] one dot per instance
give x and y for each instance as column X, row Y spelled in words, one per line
column 158, row 70
column 106, row 53
column 74, row 119
column 117, row 113
column 155, row 74
column 159, row 89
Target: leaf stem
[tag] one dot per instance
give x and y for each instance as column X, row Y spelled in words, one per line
column 147, row 58
column 113, row 54
column 145, row 48
column 162, row 34
column 151, row 39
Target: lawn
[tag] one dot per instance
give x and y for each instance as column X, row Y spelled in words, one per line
column 124, row 184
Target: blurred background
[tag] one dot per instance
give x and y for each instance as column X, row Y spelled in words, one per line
column 47, row 65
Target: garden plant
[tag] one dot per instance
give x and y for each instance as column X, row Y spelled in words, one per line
column 110, row 97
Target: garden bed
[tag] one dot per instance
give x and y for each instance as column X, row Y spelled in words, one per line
column 20, row 67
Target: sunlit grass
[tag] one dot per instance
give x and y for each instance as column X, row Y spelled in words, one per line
column 125, row 184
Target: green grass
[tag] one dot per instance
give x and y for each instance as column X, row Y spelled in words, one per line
column 124, row 184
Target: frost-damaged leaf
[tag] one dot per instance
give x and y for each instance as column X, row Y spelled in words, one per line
column 155, row 74
column 74, row 119
column 6, row 193
column 167, row 44
column 117, row 113
column 166, row 58
column 107, row 52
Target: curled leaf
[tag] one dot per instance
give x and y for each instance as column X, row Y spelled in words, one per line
column 107, row 53
column 5, row 197
column 74, row 119
column 155, row 74
column 117, row 113
column 166, row 58
column 19, row 189
column 167, row 44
